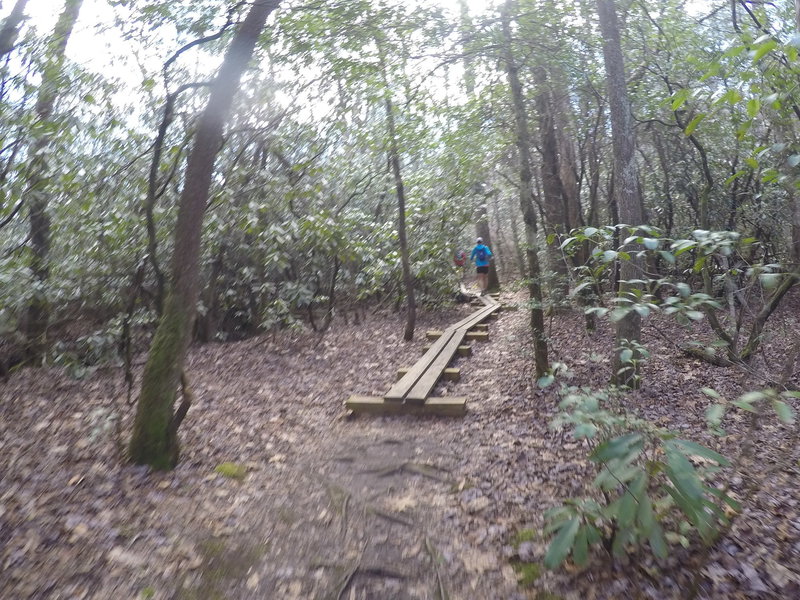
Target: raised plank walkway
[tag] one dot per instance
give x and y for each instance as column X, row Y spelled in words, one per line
column 411, row 393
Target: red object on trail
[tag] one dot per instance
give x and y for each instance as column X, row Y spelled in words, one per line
column 460, row 258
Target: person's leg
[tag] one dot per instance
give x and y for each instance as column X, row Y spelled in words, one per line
column 483, row 279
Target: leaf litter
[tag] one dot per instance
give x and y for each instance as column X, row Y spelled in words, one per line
column 394, row 507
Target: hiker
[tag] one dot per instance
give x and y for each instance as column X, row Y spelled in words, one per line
column 481, row 255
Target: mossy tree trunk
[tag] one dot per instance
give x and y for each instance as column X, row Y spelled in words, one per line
column 37, row 184
column 154, row 441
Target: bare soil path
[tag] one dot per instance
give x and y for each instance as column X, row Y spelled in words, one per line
column 365, row 508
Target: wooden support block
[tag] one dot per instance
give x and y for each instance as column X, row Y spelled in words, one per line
column 480, row 327
column 448, row 374
column 375, row 405
column 477, row 336
column 451, row 374
column 426, row 347
column 464, row 350
column 433, row 334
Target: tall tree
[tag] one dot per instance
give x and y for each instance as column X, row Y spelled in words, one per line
column 627, row 193
column 523, row 140
column 37, row 177
column 154, row 440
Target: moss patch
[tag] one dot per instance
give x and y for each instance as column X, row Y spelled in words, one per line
column 523, row 535
column 222, row 564
column 527, row 573
column 232, row 470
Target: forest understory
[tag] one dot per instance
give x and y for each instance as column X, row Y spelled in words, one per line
column 321, row 504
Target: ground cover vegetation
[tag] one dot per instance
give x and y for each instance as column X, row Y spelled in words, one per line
column 287, row 171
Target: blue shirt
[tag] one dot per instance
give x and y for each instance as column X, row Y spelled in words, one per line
column 481, row 263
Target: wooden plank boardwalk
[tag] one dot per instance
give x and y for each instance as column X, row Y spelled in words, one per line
column 411, row 393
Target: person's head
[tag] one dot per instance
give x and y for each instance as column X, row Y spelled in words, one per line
column 479, row 240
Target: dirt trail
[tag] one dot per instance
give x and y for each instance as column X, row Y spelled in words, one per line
column 374, row 507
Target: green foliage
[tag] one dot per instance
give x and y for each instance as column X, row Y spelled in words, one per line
column 751, row 402
column 631, row 354
column 651, row 486
column 716, row 262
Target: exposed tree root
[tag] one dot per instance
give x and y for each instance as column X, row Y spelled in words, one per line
column 424, row 469
column 706, row 356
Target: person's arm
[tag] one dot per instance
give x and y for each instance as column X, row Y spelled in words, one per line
column 489, row 252
column 472, row 256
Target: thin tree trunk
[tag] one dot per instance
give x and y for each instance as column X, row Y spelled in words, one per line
column 155, row 440
column 394, row 160
column 526, row 197
column 502, row 240
column 518, row 254
column 37, row 188
column 626, row 185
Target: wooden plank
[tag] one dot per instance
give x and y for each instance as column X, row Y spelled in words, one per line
column 422, row 377
column 424, row 386
column 399, row 390
column 477, row 336
column 375, row 405
column 465, row 350
column 480, row 327
column 476, row 317
column 433, row 334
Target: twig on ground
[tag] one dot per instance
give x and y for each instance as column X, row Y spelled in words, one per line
column 390, row 517
column 441, row 591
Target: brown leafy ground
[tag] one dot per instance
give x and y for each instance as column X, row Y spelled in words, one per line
column 365, row 508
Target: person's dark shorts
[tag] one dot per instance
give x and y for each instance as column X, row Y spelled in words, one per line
column 483, row 269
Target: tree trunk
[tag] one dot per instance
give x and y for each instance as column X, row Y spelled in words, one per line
column 394, row 160
column 38, row 181
column 526, row 197
column 795, row 249
column 518, row 254
column 482, row 230
column 552, row 188
column 626, row 184
column 797, row 14
column 155, row 441
column 10, row 29
column 502, row 241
